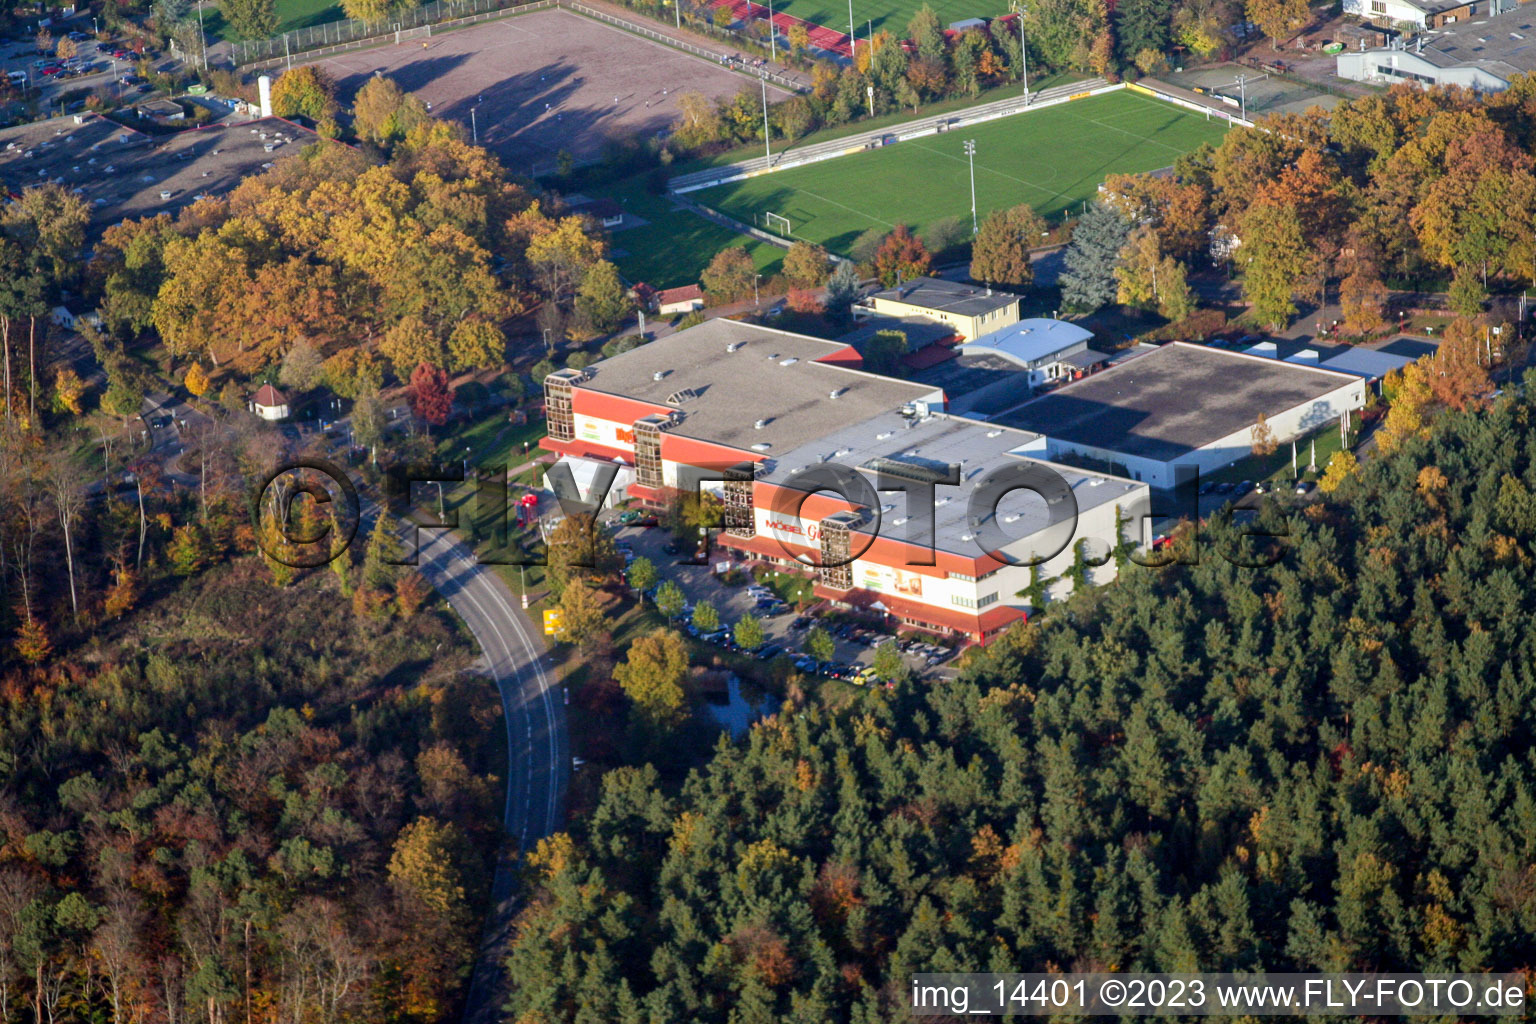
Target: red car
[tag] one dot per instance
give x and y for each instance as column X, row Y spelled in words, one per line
column 52, row 69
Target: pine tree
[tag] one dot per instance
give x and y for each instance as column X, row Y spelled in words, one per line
column 1088, row 281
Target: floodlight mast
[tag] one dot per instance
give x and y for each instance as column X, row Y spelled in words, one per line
column 1017, row 7
column 970, row 152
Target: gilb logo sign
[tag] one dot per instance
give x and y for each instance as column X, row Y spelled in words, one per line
column 811, row 531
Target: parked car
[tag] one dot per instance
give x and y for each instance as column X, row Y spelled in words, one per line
column 801, row 622
column 767, row 652
column 1225, row 487
column 1305, row 487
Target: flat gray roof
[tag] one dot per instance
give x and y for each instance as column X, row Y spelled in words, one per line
column 1172, row 400
column 966, row 375
column 121, row 172
column 1503, row 44
column 940, row 440
column 949, row 296
column 772, row 375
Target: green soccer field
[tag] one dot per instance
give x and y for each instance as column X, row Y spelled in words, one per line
column 1053, row 159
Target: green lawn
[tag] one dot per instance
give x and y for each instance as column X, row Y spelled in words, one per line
column 676, row 245
column 1053, row 159
column 291, row 14
column 891, row 15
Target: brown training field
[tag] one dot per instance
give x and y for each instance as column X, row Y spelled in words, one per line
column 542, row 82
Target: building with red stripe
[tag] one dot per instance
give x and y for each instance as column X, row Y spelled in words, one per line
column 858, row 479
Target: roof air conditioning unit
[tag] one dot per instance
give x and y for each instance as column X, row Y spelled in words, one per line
column 658, row 375
column 759, row 425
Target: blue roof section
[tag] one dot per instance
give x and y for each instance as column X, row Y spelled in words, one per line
column 1365, row 362
column 1029, row 341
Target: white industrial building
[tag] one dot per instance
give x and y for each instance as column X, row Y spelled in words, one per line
column 1482, row 52
column 1185, row 405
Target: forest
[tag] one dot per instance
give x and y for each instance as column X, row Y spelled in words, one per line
column 1321, row 765
column 244, row 802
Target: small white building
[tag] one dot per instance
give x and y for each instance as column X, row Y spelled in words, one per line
column 270, row 403
column 686, row 299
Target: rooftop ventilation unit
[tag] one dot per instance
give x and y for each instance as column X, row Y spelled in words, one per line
column 733, row 346
column 761, row 446
column 760, row 424
column 837, row 392
column 659, row 375
column 791, row 361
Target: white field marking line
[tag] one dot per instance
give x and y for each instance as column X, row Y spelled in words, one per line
column 1136, row 135
column 1000, row 174
column 845, row 206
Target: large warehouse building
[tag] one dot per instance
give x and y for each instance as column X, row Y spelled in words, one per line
column 684, row 409
column 1185, row 405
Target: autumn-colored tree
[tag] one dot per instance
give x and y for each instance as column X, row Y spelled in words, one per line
column 901, row 257
column 1278, row 19
column 68, row 390
column 1410, row 397
column 1178, row 210
column 306, row 91
column 196, row 380
column 424, row 867
column 431, row 397
column 189, row 549
column 384, row 113
column 66, row 49
column 1458, row 377
column 577, row 546
column 476, row 343
column 1363, row 299
column 803, row 300
column 1341, row 467
column 1000, row 251
column 806, row 266
column 652, row 677
column 582, row 619
column 1149, row 280
column 729, row 275
column 32, row 643
column 411, row 592
column 1264, row 442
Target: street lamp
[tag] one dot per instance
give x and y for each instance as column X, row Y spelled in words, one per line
column 756, row 278
column 970, row 152
column 773, row 45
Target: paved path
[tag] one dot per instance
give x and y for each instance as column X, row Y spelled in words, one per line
column 538, row 750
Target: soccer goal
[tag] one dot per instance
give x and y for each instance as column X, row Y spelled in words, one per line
column 770, row 220
column 420, row 32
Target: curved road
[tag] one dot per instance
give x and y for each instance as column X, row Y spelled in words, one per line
column 538, row 751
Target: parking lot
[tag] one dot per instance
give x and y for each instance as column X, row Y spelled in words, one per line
column 97, row 65
column 854, row 647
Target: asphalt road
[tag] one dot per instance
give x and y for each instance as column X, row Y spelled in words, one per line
column 538, row 750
